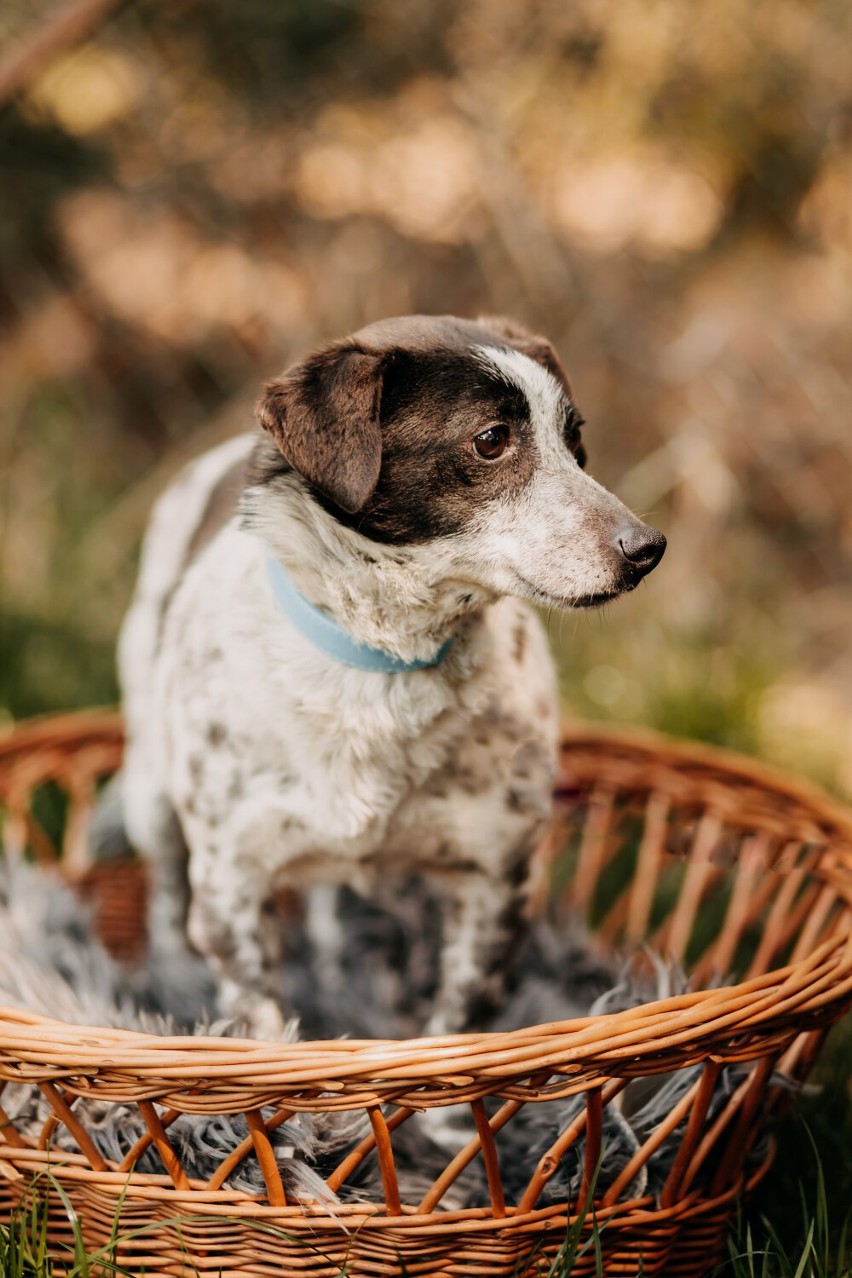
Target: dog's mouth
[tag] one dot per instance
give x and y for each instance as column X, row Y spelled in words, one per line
column 547, row 600
column 596, row 601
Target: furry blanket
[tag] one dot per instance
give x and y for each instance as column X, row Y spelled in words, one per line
column 49, row 964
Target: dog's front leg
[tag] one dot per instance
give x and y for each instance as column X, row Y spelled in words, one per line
column 238, row 932
column 482, row 927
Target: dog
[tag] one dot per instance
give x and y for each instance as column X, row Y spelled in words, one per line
column 332, row 669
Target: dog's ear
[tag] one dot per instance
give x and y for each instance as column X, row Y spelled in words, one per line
column 530, row 344
column 324, row 416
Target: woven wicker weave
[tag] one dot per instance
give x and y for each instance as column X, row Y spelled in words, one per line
column 716, row 860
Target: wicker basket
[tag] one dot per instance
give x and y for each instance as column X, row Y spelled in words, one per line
column 714, row 859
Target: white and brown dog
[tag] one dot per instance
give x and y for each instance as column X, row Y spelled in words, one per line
column 332, row 670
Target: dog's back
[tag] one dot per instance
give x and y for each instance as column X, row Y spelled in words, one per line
column 199, row 502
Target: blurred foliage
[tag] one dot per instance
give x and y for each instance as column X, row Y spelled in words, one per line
column 195, row 193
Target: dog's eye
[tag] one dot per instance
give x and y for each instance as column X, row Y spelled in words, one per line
column 572, row 426
column 492, row 443
column 571, row 430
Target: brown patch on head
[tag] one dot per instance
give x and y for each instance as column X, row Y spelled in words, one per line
column 432, row 479
column 324, row 417
column 382, row 424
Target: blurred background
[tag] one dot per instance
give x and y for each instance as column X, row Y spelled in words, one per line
column 193, row 193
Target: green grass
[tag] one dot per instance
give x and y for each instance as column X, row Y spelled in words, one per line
column 24, row 1251
column 759, row 1251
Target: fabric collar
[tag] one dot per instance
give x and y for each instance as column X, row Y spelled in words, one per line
column 324, row 633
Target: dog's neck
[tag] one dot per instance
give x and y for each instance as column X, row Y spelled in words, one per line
column 400, row 600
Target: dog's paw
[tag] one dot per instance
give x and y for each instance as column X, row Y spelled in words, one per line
column 266, row 1021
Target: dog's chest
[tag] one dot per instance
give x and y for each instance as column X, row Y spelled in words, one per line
column 275, row 752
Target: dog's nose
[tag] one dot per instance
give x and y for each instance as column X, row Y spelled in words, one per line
column 642, row 547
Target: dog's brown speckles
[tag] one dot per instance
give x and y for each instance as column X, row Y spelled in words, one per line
column 288, row 824
column 196, row 768
column 528, row 760
column 517, row 869
column 504, row 725
column 514, row 802
column 459, row 776
column 208, row 930
column 463, row 866
column 217, row 733
column 447, row 853
column 519, row 642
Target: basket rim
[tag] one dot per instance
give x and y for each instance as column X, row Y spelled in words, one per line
column 584, row 1050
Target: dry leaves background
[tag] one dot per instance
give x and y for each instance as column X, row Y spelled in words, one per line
column 194, row 193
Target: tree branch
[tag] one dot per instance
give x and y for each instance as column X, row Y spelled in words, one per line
column 61, row 29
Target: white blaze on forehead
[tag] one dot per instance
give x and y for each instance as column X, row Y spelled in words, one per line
column 543, row 393
column 554, row 539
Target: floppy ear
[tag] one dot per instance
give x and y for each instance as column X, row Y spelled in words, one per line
column 537, row 348
column 324, row 416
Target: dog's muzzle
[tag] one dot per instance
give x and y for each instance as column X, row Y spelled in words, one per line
column 642, row 548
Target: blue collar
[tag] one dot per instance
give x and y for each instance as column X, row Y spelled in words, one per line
column 324, row 633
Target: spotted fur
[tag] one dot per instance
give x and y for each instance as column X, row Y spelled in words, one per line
column 278, row 766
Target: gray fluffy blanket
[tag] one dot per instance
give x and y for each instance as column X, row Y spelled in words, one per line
column 49, row 964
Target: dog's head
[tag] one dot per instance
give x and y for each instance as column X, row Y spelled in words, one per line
column 434, row 429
